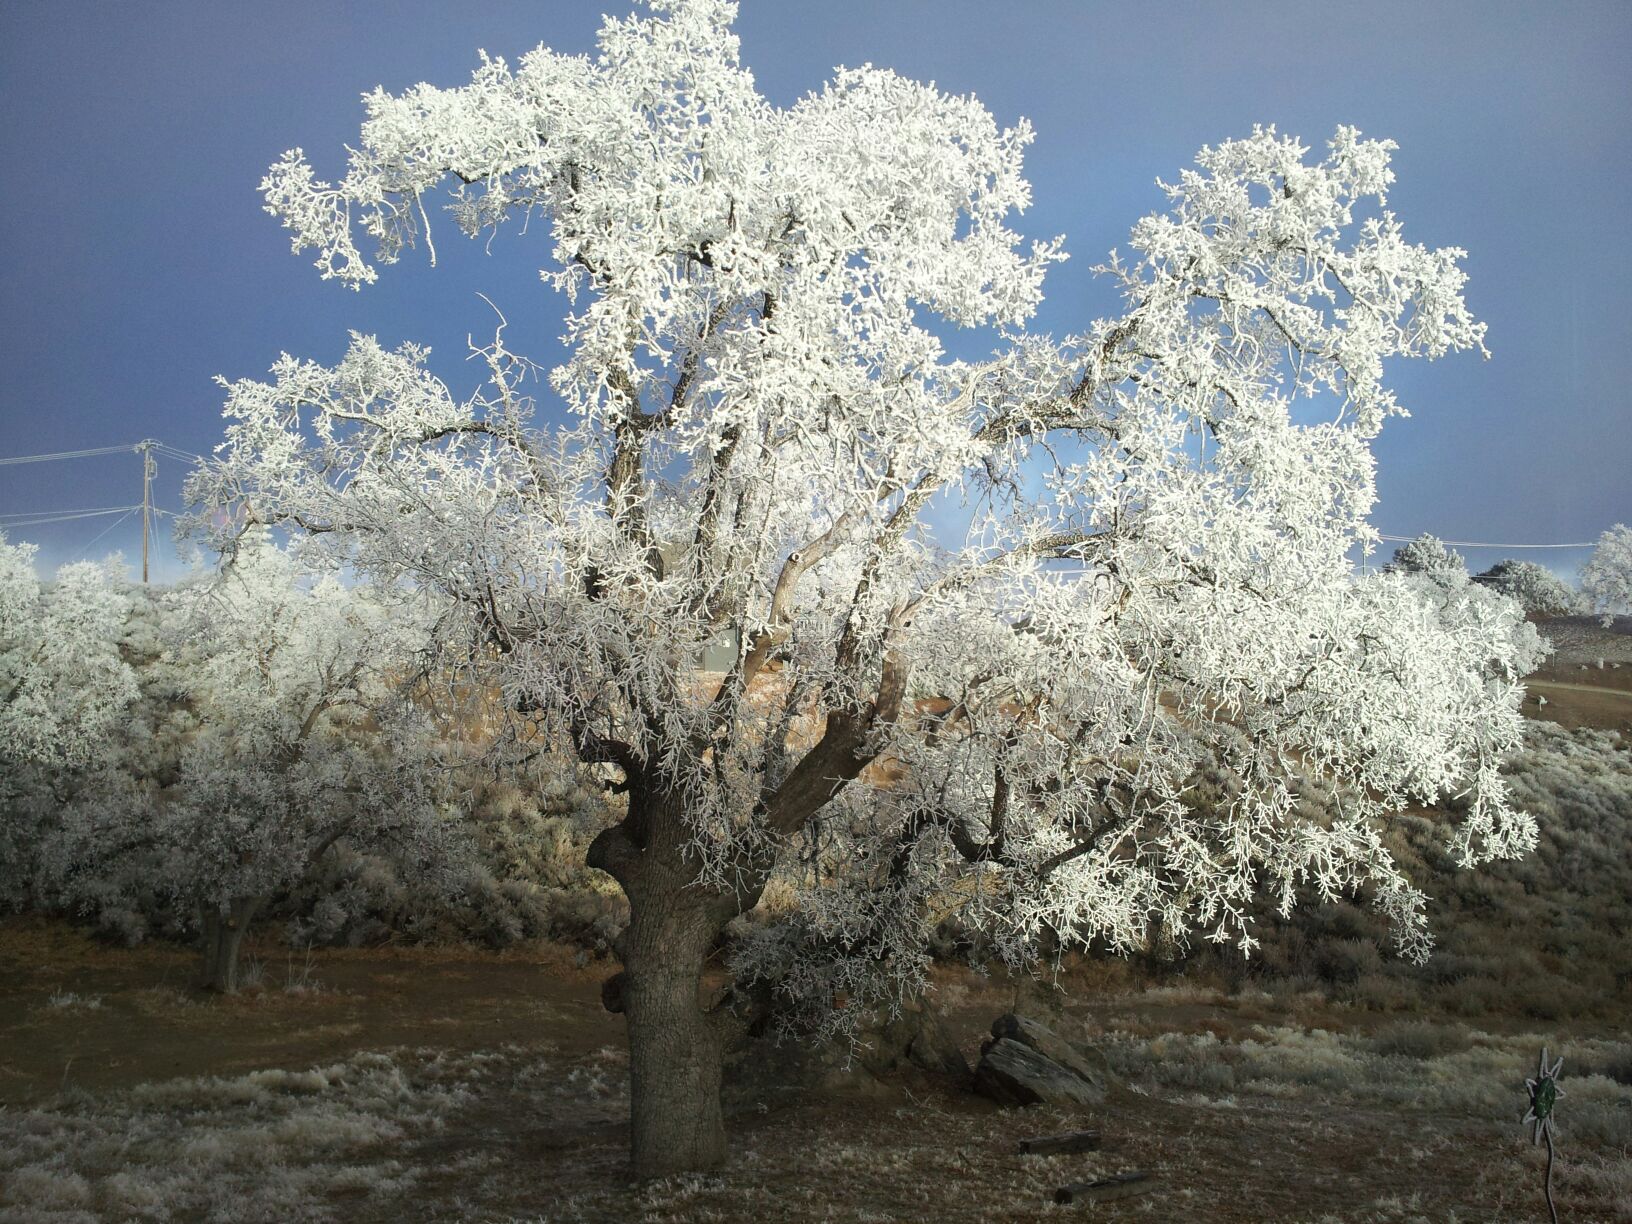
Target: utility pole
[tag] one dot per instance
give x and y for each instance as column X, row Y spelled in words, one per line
column 150, row 468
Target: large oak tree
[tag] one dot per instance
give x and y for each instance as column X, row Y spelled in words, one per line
column 1151, row 570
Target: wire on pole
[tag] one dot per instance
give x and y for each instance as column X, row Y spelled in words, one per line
column 76, row 454
column 103, row 534
column 41, row 518
column 16, row 514
column 1394, row 539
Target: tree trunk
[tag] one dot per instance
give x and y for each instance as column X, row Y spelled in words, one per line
column 675, row 1058
column 676, row 1046
column 223, row 936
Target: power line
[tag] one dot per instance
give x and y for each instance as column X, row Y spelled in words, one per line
column 1475, row 544
column 78, row 454
column 42, row 518
column 164, row 448
column 147, row 448
column 105, row 530
column 11, row 514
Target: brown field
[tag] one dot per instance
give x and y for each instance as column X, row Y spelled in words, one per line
column 1587, row 680
column 442, row 1084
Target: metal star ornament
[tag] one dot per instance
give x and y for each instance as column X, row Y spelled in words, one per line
column 1544, row 1093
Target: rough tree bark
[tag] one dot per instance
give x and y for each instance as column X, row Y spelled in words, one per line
column 223, row 936
column 677, row 1043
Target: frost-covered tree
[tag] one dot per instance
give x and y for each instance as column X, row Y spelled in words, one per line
column 1538, row 590
column 63, row 687
column 1606, row 578
column 295, row 736
column 1440, row 578
column 754, row 417
column 1428, row 555
column 62, row 680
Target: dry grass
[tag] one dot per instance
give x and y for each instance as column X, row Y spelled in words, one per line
column 271, row 1145
column 1244, row 1115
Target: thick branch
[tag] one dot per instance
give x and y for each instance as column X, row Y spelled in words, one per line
column 839, row 756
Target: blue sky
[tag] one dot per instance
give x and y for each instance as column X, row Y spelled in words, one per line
column 138, row 263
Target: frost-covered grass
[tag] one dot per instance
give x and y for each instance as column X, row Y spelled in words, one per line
column 1418, row 1067
column 271, row 1145
column 62, row 1000
column 1434, row 1079
column 1413, row 1121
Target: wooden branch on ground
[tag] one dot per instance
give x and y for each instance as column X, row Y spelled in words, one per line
column 1117, row 1185
column 1056, row 1145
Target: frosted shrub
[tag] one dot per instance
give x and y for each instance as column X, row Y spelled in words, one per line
column 64, row 688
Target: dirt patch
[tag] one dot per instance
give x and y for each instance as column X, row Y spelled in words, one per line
column 1574, row 706
column 77, row 1013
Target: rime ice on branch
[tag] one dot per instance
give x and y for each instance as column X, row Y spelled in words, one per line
column 756, row 412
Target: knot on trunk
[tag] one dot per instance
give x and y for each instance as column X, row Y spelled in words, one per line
column 612, row 992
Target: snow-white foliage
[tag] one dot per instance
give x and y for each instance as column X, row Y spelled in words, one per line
column 1606, row 578
column 293, row 736
column 1538, row 590
column 1429, row 556
column 64, row 688
column 62, row 681
column 755, row 411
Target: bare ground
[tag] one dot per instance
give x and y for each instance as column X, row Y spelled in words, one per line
column 417, row 1084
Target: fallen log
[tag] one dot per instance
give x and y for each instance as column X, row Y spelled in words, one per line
column 1055, row 1145
column 1117, row 1185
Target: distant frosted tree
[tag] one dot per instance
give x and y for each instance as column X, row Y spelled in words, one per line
column 62, row 681
column 295, row 736
column 1606, row 579
column 63, row 688
column 1538, row 590
column 1440, row 577
column 1427, row 555
column 754, row 415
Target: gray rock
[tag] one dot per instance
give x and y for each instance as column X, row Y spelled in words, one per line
column 1087, row 1064
column 1014, row 1074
